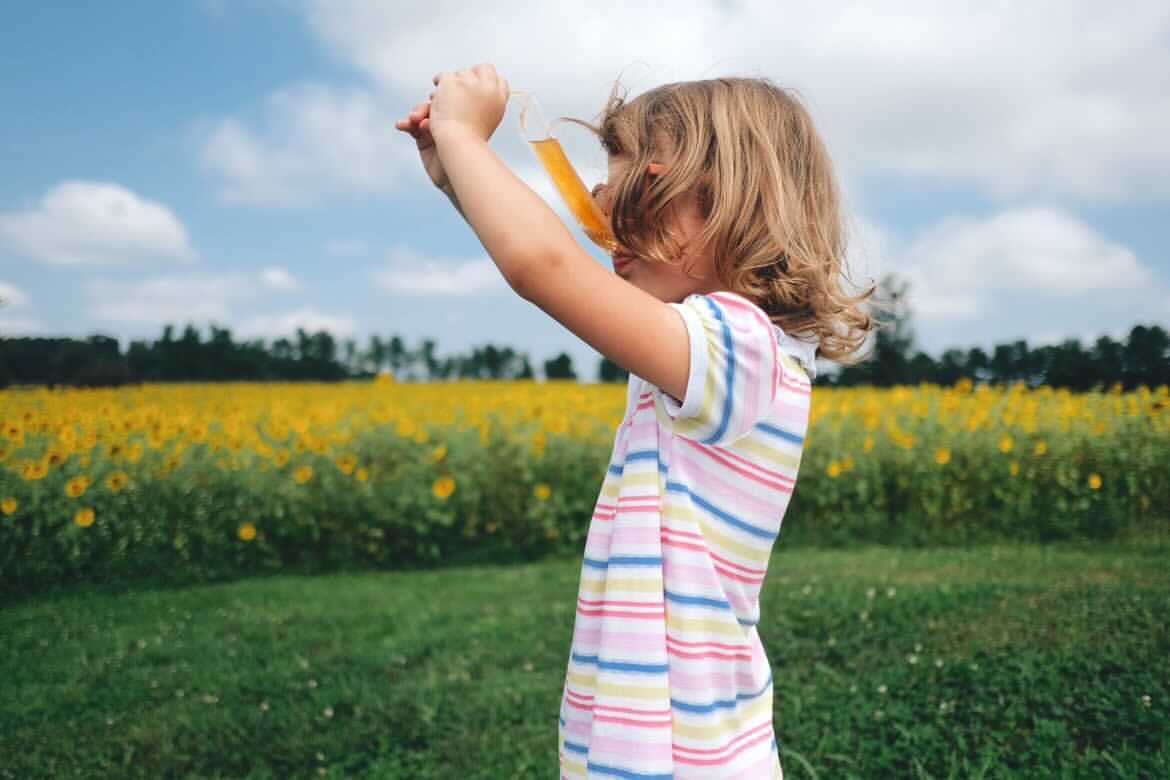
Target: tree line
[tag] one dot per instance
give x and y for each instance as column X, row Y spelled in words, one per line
column 1143, row 358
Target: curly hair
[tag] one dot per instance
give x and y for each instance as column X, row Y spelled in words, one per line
column 767, row 193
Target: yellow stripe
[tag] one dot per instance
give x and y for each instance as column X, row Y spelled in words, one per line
column 638, row 584
column 587, row 682
column 723, row 542
column 645, row 479
column 778, row 459
column 572, row 768
column 708, row 625
column 730, row 724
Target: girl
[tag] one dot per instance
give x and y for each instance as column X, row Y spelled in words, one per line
column 724, row 207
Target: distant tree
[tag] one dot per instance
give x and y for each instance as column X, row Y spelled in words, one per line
column 560, row 367
column 609, row 371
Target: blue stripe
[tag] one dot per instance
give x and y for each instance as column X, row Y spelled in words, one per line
column 617, row 470
column 575, row 747
column 679, row 487
column 721, row 703
column 626, row 560
column 681, row 599
column 781, row 433
column 730, row 394
column 625, row 773
column 621, row 666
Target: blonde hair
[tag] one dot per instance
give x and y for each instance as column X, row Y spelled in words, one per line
column 766, row 190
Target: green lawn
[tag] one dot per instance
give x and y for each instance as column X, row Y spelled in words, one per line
column 1000, row 661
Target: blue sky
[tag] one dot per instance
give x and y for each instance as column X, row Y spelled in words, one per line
column 236, row 162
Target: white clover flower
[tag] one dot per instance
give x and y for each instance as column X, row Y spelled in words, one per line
column 913, row 659
column 881, row 689
column 890, row 592
column 870, row 593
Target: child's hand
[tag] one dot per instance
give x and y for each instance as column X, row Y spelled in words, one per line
column 474, row 99
column 418, row 124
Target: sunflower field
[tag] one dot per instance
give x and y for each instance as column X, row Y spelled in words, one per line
column 205, row 481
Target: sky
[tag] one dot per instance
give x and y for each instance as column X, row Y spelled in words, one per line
column 235, row 162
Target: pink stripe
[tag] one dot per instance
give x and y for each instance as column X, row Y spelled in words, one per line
column 717, row 564
column 697, row 645
column 741, row 680
column 740, row 465
column 725, row 572
column 718, row 489
column 587, row 640
column 727, row 759
column 742, row 304
column 749, row 734
column 630, row 748
column 691, row 535
column 620, row 614
column 589, row 702
column 625, row 535
column 596, row 602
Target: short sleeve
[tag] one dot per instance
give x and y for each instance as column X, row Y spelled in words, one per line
column 734, row 373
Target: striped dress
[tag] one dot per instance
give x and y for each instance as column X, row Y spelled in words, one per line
column 667, row 677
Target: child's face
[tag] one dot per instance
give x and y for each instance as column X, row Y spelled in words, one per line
column 668, row 283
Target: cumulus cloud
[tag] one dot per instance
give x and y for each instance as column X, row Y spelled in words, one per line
column 96, row 223
column 410, row 273
column 277, row 278
column 168, row 299
column 273, row 326
column 1034, row 272
column 317, row 141
column 14, row 319
column 200, row 299
column 1019, row 100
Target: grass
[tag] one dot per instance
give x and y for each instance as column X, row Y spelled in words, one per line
column 995, row 661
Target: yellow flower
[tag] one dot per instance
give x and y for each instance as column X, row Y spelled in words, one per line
column 443, row 487
column 1006, row 444
column 116, row 481
column 942, row 456
column 346, row 463
column 868, row 444
column 76, row 487
column 1095, row 481
column 281, row 458
column 542, row 491
column 834, row 469
column 303, row 474
column 1015, row 468
column 247, row 532
column 34, row 470
column 1041, row 447
column 84, row 517
column 362, row 474
column 438, row 454
column 8, row 506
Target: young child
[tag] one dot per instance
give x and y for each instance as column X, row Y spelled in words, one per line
column 724, row 206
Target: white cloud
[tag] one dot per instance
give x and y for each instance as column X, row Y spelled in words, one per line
column 1017, row 99
column 410, row 273
column 1030, row 272
column 277, row 278
column 18, row 323
column 318, row 141
column 96, row 223
column 169, row 299
column 203, row 299
column 12, row 296
column 273, row 326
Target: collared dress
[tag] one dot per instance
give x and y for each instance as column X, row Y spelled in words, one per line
column 667, row 676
